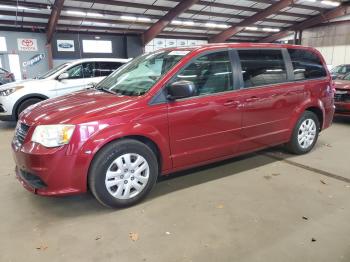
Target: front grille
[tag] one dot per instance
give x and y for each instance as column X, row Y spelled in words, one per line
column 21, row 133
column 342, row 97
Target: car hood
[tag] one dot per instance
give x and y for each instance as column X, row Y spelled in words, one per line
column 77, row 108
column 28, row 82
column 342, row 84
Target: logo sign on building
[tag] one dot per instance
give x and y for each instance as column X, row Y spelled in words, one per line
column 65, row 45
column 34, row 60
column 27, row 44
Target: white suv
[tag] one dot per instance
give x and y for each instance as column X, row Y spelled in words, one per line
column 66, row 78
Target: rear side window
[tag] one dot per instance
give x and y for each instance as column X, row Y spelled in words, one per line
column 262, row 67
column 306, row 64
column 106, row 68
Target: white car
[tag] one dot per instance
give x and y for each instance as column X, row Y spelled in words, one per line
column 66, row 78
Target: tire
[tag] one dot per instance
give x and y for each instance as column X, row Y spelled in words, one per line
column 26, row 103
column 114, row 170
column 305, row 134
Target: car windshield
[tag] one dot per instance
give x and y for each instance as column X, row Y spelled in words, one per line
column 53, row 71
column 337, row 69
column 138, row 76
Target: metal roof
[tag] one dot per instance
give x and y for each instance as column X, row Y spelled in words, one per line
column 203, row 19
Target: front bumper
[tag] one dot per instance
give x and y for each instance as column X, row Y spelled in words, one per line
column 48, row 171
column 6, row 108
column 342, row 108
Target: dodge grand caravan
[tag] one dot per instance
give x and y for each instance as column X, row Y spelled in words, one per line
column 171, row 110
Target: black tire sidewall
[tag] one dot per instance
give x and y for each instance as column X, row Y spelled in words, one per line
column 102, row 161
column 25, row 104
column 294, row 145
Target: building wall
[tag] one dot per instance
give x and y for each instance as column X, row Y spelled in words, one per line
column 333, row 41
column 122, row 47
column 27, row 70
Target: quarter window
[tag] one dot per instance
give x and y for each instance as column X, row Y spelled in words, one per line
column 210, row 73
column 306, row 64
column 262, row 67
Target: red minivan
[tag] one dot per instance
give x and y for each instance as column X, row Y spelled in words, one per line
column 171, row 110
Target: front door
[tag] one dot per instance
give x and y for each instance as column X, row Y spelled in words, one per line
column 207, row 125
column 79, row 77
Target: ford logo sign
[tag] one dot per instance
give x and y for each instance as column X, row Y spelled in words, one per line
column 65, row 45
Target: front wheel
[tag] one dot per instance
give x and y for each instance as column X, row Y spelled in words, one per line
column 123, row 173
column 305, row 134
column 25, row 104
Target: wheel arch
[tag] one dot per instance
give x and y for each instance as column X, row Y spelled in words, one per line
column 24, row 98
column 141, row 138
column 318, row 112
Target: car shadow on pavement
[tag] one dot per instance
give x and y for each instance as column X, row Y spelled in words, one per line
column 7, row 125
column 342, row 119
column 196, row 176
column 85, row 204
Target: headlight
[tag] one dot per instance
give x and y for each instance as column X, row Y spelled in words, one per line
column 10, row 90
column 53, row 135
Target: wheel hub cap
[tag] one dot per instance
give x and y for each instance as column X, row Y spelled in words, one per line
column 307, row 133
column 127, row 176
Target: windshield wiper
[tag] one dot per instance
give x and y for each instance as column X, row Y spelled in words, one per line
column 106, row 90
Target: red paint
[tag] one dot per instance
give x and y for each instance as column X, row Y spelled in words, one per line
column 342, row 107
column 189, row 132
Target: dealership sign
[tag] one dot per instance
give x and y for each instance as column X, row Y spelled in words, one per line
column 65, row 45
column 34, row 60
column 27, row 44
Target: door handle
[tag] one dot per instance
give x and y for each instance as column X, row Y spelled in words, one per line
column 252, row 99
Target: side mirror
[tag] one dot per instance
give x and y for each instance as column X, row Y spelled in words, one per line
column 91, row 85
column 181, row 89
column 63, row 76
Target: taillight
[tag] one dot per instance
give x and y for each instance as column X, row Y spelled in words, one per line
column 333, row 86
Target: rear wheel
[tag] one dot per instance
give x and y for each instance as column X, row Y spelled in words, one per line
column 26, row 103
column 305, row 134
column 123, row 173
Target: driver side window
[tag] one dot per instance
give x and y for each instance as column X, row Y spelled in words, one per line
column 84, row 70
column 210, row 73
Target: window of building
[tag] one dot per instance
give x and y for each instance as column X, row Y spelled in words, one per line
column 3, row 47
column 97, row 46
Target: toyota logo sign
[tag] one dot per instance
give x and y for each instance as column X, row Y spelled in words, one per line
column 27, row 42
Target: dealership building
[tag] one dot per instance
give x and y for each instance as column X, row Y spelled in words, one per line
column 175, row 130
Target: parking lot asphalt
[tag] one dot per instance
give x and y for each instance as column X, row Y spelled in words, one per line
column 265, row 206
